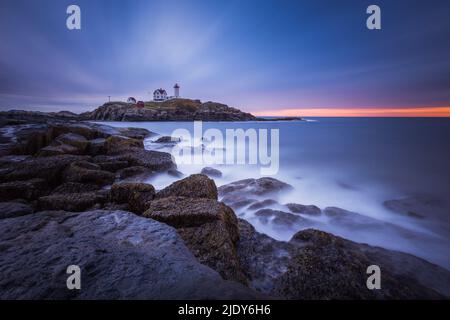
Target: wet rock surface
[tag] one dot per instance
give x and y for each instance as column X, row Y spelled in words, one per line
column 343, row 266
column 277, row 217
column 121, row 255
column 136, row 195
column 208, row 227
column 75, row 202
column 211, row 172
column 262, row 204
column 319, row 265
column 14, row 209
column 87, row 172
column 194, row 186
column 167, row 139
column 419, row 206
column 253, row 187
column 303, row 209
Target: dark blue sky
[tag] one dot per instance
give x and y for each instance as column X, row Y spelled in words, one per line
column 256, row 55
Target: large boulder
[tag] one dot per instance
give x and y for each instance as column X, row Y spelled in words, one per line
column 211, row 172
column 419, row 207
column 67, row 143
column 73, row 139
column 87, row 130
column 304, row 209
column 278, row 217
column 330, row 267
column 136, row 195
column 262, row 258
column 136, row 133
column 194, row 186
column 241, row 193
column 134, row 173
column 319, row 265
column 208, row 227
column 167, row 139
column 263, row 204
column 87, row 172
column 28, row 138
column 355, row 222
column 73, row 201
column 118, row 144
column 121, row 256
column 254, row 187
column 154, row 160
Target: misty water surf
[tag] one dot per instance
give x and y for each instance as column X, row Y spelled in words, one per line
column 355, row 164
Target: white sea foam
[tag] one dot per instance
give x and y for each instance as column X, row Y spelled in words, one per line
column 347, row 165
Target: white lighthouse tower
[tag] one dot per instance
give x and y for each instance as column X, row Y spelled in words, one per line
column 176, row 88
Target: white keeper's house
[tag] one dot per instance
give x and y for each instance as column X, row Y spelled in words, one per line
column 161, row 94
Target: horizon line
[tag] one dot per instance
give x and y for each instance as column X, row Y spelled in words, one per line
column 413, row 112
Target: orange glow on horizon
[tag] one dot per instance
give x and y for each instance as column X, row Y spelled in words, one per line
column 359, row 112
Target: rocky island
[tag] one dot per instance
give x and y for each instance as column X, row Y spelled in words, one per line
column 169, row 110
column 73, row 193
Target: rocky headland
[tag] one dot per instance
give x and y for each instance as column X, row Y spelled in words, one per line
column 169, row 110
column 73, row 193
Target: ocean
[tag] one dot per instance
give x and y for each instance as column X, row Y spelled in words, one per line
column 355, row 164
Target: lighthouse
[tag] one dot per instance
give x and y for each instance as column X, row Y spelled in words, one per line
column 176, row 89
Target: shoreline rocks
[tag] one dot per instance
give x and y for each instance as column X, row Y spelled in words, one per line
column 178, row 243
column 194, row 186
column 122, row 256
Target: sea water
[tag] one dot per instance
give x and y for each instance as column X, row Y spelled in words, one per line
column 351, row 163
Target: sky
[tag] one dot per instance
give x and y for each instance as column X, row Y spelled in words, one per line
column 267, row 57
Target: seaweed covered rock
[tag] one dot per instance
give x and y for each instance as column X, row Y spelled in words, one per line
column 136, row 195
column 330, row 267
column 208, row 227
column 87, row 172
column 194, row 186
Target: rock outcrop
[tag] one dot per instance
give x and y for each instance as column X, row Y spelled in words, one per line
column 208, row 228
column 242, row 193
column 319, row 265
column 53, row 165
column 171, row 110
column 211, row 172
column 121, row 256
column 136, row 195
column 194, row 186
